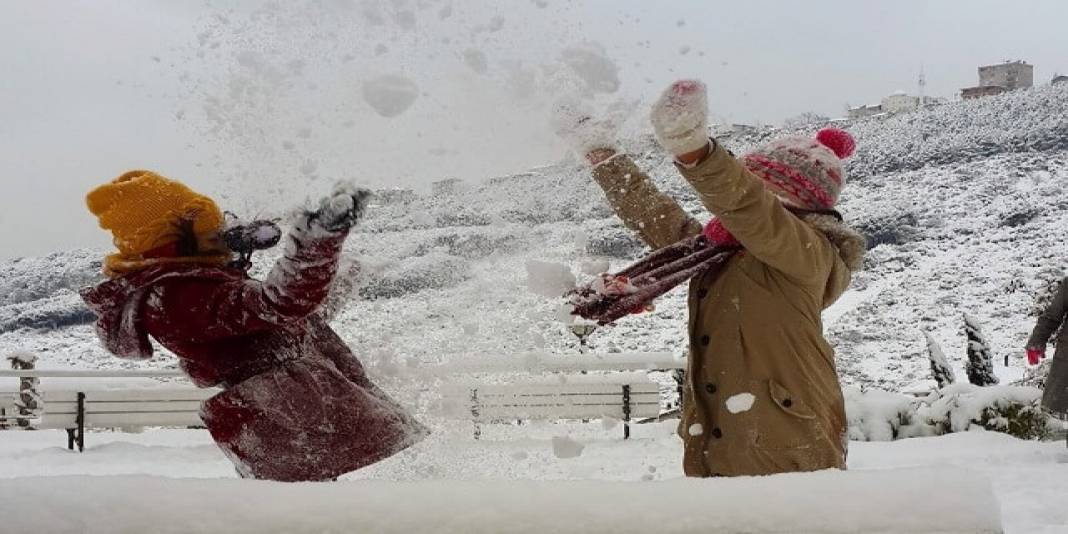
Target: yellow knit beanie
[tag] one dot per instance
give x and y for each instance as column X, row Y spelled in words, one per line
column 143, row 211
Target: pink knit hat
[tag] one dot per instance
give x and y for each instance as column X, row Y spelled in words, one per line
column 805, row 172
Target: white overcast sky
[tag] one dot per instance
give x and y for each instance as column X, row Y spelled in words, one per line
column 259, row 105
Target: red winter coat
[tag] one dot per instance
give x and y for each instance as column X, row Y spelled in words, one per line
column 296, row 404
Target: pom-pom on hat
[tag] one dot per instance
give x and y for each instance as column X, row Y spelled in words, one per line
column 805, row 172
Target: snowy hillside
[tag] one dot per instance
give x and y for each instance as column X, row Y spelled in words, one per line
column 965, row 202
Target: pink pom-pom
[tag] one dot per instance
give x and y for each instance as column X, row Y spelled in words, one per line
column 839, row 141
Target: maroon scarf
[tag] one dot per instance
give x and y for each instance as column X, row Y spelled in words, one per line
column 632, row 290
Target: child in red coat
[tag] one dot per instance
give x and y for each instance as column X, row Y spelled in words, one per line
column 296, row 404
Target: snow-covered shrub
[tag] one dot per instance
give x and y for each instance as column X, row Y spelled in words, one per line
column 434, row 270
column 941, row 371
column 473, row 245
column 894, row 229
column 62, row 309
column 1035, row 376
column 878, row 415
column 1014, row 410
column 28, row 279
column 980, row 365
column 615, row 243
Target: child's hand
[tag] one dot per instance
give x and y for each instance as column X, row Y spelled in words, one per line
column 342, row 208
column 680, row 117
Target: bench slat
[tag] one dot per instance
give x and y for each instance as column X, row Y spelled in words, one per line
column 137, row 407
column 183, row 418
column 566, row 412
column 564, row 388
column 144, row 419
column 131, row 395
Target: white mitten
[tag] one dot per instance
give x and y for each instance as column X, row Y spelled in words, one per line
column 680, row 117
column 574, row 121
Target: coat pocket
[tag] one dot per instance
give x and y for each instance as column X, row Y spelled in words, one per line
column 788, row 403
column 781, row 420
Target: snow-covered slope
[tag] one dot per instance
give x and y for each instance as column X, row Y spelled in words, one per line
column 966, row 203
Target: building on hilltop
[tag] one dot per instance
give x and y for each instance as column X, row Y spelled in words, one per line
column 863, row 112
column 899, row 102
column 1011, row 75
column 1002, row 77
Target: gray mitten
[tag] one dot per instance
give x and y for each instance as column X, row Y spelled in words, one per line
column 341, row 209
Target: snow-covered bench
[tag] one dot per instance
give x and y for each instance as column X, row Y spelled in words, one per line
column 584, row 387
column 70, row 403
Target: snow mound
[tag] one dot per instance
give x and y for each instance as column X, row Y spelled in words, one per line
column 390, row 95
column 906, row 500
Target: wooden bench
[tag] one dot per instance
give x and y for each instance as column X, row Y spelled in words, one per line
column 583, row 387
column 76, row 409
column 510, row 402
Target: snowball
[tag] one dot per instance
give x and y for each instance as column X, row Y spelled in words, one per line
column 592, row 65
column 741, row 402
column 565, row 447
column 594, row 267
column 390, row 95
column 476, row 60
column 549, row 279
column 695, row 429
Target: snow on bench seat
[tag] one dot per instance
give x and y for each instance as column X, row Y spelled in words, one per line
column 945, row 500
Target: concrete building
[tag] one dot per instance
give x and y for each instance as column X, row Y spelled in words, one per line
column 899, row 102
column 863, row 112
column 996, row 79
column 1011, row 75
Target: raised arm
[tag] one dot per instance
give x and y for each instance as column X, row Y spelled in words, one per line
column 758, row 219
column 752, row 214
column 655, row 217
column 295, row 287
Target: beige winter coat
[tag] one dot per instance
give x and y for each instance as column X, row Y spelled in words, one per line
column 762, row 394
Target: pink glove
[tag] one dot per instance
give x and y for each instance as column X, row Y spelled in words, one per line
column 1035, row 354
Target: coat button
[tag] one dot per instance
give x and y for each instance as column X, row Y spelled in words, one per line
column 711, row 388
column 705, row 340
column 787, row 403
column 702, row 293
column 717, row 433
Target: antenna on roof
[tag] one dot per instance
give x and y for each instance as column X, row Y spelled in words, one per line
column 922, row 84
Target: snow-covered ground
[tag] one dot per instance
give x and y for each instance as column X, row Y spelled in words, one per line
column 627, row 486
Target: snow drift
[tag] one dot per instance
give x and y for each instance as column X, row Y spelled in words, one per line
column 906, row 500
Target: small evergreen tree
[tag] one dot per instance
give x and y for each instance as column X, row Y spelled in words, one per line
column 940, row 369
column 980, row 365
